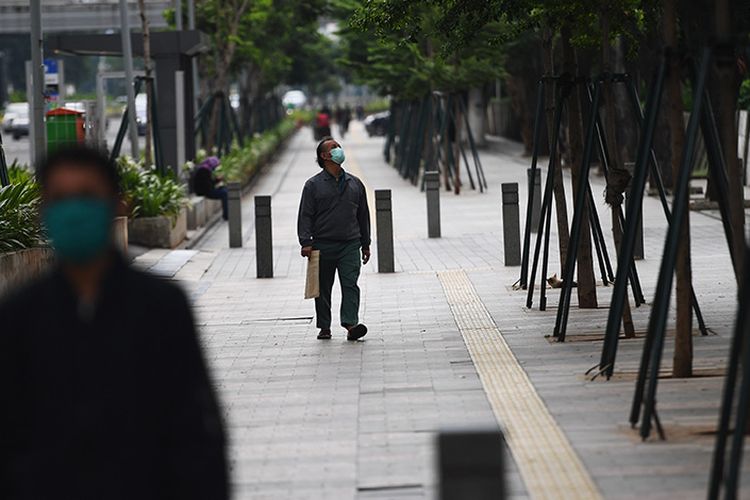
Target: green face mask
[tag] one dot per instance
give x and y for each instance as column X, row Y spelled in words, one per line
column 337, row 155
column 79, row 227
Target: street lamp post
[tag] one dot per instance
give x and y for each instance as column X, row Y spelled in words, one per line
column 178, row 15
column 194, row 61
column 37, row 83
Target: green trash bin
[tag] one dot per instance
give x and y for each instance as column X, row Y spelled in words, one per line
column 65, row 127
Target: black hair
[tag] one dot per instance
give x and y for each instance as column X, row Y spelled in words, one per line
column 82, row 156
column 321, row 162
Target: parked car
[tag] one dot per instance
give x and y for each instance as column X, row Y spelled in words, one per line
column 294, row 99
column 19, row 126
column 140, row 113
column 16, row 119
column 377, row 124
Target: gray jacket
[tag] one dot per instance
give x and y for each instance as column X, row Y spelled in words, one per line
column 332, row 211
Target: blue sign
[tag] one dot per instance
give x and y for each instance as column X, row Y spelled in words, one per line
column 50, row 66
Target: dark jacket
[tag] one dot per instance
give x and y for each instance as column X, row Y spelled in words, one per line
column 203, row 181
column 110, row 403
column 333, row 211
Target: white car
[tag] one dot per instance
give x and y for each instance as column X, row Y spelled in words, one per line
column 13, row 111
column 294, row 99
column 16, row 119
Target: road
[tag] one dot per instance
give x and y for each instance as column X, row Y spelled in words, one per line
column 19, row 150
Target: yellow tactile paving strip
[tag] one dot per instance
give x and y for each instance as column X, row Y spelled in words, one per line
column 546, row 460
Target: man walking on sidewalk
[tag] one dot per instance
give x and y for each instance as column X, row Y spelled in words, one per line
column 334, row 219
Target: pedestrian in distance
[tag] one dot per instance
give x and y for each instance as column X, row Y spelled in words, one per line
column 105, row 390
column 334, row 218
column 345, row 118
column 322, row 126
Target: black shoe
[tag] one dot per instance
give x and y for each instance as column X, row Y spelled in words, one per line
column 356, row 332
column 324, row 334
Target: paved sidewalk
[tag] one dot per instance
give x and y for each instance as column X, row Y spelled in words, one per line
column 312, row 419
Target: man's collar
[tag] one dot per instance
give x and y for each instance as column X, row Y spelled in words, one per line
column 344, row 173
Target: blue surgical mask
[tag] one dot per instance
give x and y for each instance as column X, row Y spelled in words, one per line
column 337, row 155
column 79, row 227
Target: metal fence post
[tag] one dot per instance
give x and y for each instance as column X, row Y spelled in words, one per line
column 127, row 55
column 263, row 237
column 511, row 224
column 234, row 206
column 471, row 465
column 384, row 223
column 638, row 249
column 432, row 190
column 535, row 183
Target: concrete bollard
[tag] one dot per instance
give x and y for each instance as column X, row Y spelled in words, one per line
column 511, row 224
column 263, row 237
column 638, row 253
column 535, row 183
column 432, row 190
column 384, row 223
column 471, row 465
column 234, row 206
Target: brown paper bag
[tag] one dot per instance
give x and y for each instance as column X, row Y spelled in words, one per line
column 312, row 283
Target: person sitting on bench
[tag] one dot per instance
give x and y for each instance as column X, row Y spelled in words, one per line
column 207, row 183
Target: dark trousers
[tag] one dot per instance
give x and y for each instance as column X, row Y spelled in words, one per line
column 220, row 193
column 344, row 258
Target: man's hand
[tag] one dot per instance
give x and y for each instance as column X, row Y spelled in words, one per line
column 306, row 251
column 365, row 255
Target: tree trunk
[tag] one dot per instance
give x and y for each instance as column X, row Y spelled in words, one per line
column 457, row 184
column 476, row 110
column 728, row 83
column 586, row 280
column 224, row 55
column 561, row 207
column 447, row 150
column 148, row 67
column 618, row 175
column 627, row 129
column 683, row 344
column 220, row 91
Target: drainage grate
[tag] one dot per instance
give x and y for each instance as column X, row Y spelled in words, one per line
column 297, row 319
column 393, row 488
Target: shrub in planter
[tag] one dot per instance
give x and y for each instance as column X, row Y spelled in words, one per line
column 20, row 226
column 149, row 194
column 157, row 196
column 156, row 205
column 19, row 173
column 241, row 163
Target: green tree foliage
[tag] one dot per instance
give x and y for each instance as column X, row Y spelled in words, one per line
column 267, row 41
column 399, row 48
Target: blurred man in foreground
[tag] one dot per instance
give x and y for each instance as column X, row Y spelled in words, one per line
column 105, row 391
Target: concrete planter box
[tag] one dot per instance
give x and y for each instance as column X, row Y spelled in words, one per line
column 17, row 268
column 158, row 232
column 212, row 208
column 120, row 234
column 200, row 211
column 196, row 212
